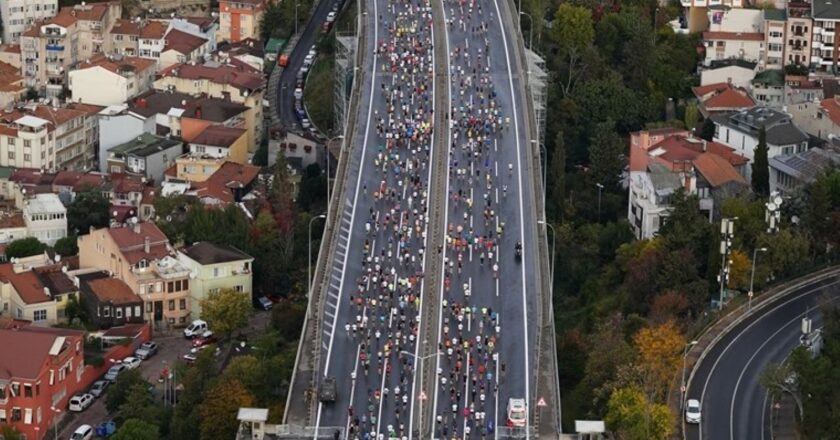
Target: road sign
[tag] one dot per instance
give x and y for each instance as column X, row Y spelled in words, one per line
column 541, row 402
column 422, row 395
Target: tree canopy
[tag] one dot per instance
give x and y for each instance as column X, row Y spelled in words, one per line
column 25, row 247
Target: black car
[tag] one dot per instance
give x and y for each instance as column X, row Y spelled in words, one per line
column 263, row 303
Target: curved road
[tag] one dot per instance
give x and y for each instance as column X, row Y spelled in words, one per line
column 734, row 404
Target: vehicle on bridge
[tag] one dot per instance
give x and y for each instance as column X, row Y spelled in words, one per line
column 517, row 412
column 327, row 392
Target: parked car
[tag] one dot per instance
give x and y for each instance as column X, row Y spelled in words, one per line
column 80, row 402
column 84, row 432
column 98, row 388
column 298, row 93
column 328, row 390
column 146, row 350
column 692, row 411
column 206, row 338
column 131, row 362
column 300, row 113
column 196, row 328
column 114, row 371
column 305, row 123
column 189, row 358
column 331, row 17
column 263, row 303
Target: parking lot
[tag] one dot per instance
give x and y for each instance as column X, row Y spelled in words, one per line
column 171, row 346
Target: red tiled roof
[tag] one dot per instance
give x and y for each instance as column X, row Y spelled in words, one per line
column 66, row 178
column 240, row 78
column 31, row 176
column 153, row 30
column 717, row 170
column 89, row 180
column 27, row 284
column 132, row 244
column 230, row 175
column 112, row 290
column 10, row 48
column 219, row 136
column 149, row 195
column 723, row 96
column 88, row 12
column 182, row 42
column 124, row 183
column 739, row 36
column 832, row 108
column 123, row 212
column 24, row 353
column 131, row 64
column 126, row 27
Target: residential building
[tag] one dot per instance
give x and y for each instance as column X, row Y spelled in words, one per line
column 775, row 21
column 768, row 88
column 820, row 119
column 248, row 51
column 117, row 125
column 55, row 279
column 710, row 170
column 48, row 49
column 299, row 151
column 200, row 26
column 10, row 54
column 239, row 84
column 740, row 130
column 12, row 88
column 142, row 257
column 801, row 89
column 732, row 71
column 152, row 39
column 790, row 171
column 45, row 217
column 697, row 14
column 18, row 15
column 186, row 116
column 721, row 97
column 240, row 19
column 215, row 145
column 825, row 45
column 23, row 296
column 125, row 37
column 798, row 34
column 111, row 79
column 231, row 183
column 723, row 18
column 147, row 156
column 94, row 23
column 743, row 45
column 40, row 369
column 12, row 226
column 183, row 47
column 177, row 7
column 109, row 301
column 216, row 267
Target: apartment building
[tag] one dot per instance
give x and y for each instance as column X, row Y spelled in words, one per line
column 798, row 30
column 11, row 85
column 93, row 25
column 152, row 39
column 142, row 257
column 41, row 368
column 182, row 47
column 825, row 45
column 820, row 119
column 240, row 19
column 775, row 21
column 239, row 84
column 125, row 37
column 18, row 15
column 111, row 79
column 45, row 217
column 768, row 88
column 48, row 49
column 215, row 145
column 216, row 267
column 146, row 156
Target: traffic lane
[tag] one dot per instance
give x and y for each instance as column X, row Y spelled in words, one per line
column 732, row 352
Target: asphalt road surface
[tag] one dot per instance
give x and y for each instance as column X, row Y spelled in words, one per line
column 734, row 405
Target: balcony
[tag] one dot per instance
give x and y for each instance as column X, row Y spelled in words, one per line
column 55, row 47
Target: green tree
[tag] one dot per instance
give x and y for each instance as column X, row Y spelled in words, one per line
column 226, row 311
column 633, row 417
column 137, row 429
column 312, row 189
column 707, row 131
column 606, row 156
column 779, row 379
column 88, row 210
column 139, row 404
column 557, row 178
column 119, row 392
column 25, row 247
column 10, row 433
column 66, row 246
column 171, row 214
column 761, row 166
column 218, row 410
column 691, row 116
column 572, row 34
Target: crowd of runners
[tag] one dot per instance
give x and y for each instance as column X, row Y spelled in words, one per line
column 385, row 300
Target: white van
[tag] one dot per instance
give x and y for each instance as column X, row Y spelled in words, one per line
column 197, row 328
column 84, row 432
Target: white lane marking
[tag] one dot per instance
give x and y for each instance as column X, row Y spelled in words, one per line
column 466, row 393
column 353, row 386
column 515, row 112
column 355, row 199
column 738, row 336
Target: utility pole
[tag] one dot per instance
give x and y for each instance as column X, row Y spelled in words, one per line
column 727, row 233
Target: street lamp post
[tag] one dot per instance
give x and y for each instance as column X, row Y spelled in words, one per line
column 530, row 30
column 600, row 188
column 752, row 275
column 420, row 368
column 55, row 420
column 683, row 389
column 553, row 253
column 309, row 259
column 327, row 151
column 727, row 232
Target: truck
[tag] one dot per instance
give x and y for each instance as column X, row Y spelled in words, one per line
column 283, row 58
column 327, row 392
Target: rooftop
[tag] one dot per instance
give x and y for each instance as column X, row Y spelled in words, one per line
column 121, row 65
column 205, row 252
column 239, row 77
column 26, row 283
column 131, row 241
column 219, row 136
column 155, row 102
column 716, row 170
column 112, row 290
column 144, row 145
column 46, row 203
column 25, row 352
column 770, row 78
column 737, row 36
column 779, row 126
column 663, row 179
column 183, row 42
column 808, row 165
column 723, row 96
column 727, row 62
column 825, row 9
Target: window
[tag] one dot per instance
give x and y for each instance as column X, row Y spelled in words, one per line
column 148, row 307
column 27, row 418
column 27, row 143
column 137, row 311
column 27, row 390
column 171, row 304
column 106, row 312
column 183, row 304
column 186, row 284
column 15, row 414
column 119, row 313
column 11, row 141
column 237, row 289
column 12, row 155
column 27, row 157
column 39, row 315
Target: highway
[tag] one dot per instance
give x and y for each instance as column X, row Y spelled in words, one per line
column 733, row 404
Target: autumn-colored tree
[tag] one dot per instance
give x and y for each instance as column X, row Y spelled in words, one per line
column 668, row 305
column 739, row 270
column 659, row 349
column 226, row 311
column 219, row 408
column 633, row 417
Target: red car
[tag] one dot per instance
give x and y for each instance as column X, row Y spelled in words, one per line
column 206, row 338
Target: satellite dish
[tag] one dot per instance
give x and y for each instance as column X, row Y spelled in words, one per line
column 57, row 258
column 771, row 206
column 777, row 200
column 169, row 218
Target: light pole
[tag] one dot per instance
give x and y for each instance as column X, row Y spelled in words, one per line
column 55, row 421
column 600, row 188
column 683, row 389
column 530, row 30
column 420, row 368
column 553, row 246
column 752, row 275
column 296, row 17
column 727, row 232
column 309, row 259
column 544, row 163
column 327, row 151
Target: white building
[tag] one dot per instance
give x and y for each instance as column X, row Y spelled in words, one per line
column 151, row 41
column 117, row 125
column 111, row 80
column 742, row 45
column 45, row 217
column 737, row 72
column 18, row 15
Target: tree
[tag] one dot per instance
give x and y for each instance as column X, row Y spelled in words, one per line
column 659, row 349
column 140, row 405
column 761, row 166
column 707, row 132
column 739, row 270
column 25, row 247
column 606, row 157
column 119, row 392
column 218, row 410
column 691, row 117
column 66, row 246
column 136, row 429
column 780, row 379
column 557, row 178
column 313, row 188
column 633, row 417
column 10, row 433
column 88, row 210
column 171, row 215
column 226, row 311
column 572, row 33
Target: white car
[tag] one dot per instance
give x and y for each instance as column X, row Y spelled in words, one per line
column 98, row 388
column 692, row 411
column 84, row 432
column 80, row 402
column 147, row 350
column 331, row 17
column 131, row 362
column 298, row 93
column 115, row 371
column 517, row 412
